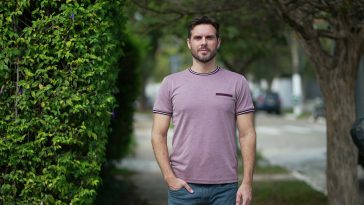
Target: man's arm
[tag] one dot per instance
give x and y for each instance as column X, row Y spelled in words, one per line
column 159, row 143
column 247, row 140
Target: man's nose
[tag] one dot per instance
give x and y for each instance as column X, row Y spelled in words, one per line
column 204, row 41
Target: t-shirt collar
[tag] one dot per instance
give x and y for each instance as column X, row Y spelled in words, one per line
column 204, row 74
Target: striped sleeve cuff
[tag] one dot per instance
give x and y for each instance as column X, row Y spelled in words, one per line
column 162, row 112
column 245, row 111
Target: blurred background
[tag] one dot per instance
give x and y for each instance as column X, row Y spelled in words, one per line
column 285, row 84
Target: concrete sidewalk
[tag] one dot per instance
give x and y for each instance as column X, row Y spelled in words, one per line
column 147, row 178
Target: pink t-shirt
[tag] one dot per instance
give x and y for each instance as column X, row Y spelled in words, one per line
column 204, row 107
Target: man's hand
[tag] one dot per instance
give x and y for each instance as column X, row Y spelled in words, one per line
column 244, row 195
column 177, row 184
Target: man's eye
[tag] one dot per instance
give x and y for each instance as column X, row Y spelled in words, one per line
column 198, row 37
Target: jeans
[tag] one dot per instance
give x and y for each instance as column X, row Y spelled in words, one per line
column 204, row 194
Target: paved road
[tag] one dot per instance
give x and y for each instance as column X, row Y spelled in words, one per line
column 299, row 145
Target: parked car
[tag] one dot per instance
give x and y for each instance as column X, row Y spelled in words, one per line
column 269, row 102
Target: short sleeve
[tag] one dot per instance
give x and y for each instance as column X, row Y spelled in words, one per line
column 163, row 102
column 244, row 102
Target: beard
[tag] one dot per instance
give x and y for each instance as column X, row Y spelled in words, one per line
column 206, row 58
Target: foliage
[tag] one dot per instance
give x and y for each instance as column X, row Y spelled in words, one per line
column 148, row 47
column 57, row 80
column 120, row 137
column 278, row 63
column 128, row 85
column 249, row 31
column 325, row 29
column 121, row 127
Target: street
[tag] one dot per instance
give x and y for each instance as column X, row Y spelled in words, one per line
column 298, row 145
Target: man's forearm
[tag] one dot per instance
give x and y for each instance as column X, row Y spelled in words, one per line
column 248, row 148
column 160, row 148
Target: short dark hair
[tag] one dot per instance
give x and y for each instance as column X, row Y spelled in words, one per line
column 203, row 20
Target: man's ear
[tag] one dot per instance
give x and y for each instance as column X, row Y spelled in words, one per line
column 188, row 43
column 218, row 42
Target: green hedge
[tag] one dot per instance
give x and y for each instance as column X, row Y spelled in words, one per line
column 128, row 85
column 120, row 137
column 57, row 78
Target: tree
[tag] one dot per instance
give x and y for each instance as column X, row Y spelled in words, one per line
column 315, row 22
column 249, row 34
column 248, row 31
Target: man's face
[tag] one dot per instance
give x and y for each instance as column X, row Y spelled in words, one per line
column 203, row 42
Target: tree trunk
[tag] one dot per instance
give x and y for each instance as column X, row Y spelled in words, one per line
column 337, row 77
column 336, row 71
column 341, row 171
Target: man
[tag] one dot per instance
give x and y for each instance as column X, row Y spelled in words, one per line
column 206, row 104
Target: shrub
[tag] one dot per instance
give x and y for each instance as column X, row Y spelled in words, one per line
column 128, row 85
column 57, row 77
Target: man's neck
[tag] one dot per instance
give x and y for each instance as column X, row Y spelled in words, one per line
column 200, row 67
